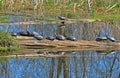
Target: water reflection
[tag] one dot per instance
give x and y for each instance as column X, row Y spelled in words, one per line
column 79, row 29
column 84, row 64
column 77, row 64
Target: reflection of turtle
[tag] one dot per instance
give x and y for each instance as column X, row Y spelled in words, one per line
column 63, row 22
column 60, row 37
column 37, row 36
column 72, row 38
column 105, row 51
column 50, row 38
column 101, row 38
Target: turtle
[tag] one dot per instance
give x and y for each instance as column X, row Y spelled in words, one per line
column 72, row 38
column 50, row 38
column 101, row 38
column 111, row 38
column 62, row 18
column 60, row 37
column 37, row 36
column 14, row 34
column 23, row 33
column 35, row 33
column 30, row 33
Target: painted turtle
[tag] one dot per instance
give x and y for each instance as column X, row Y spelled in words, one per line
column 30, row 33
column 50, row 38
column 35, row 33
column 101, row 38
column 111, row 38
column 72, row 38
column 60, row 37
column 62, row 18
column 37, row 36
column 14, row 34
column 23, row 33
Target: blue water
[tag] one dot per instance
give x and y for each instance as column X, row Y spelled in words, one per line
column 79, row 31
column 84, row 64
column 79, row 64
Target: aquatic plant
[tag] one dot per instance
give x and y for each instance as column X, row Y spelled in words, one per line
column 3, row 19
column 7, row 41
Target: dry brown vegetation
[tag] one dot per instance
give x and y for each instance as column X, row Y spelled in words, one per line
column 69, row 8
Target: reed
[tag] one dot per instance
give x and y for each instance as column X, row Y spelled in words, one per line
column 7, row 42
column 68, row 8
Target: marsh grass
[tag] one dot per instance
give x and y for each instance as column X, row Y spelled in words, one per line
column 7, row 42
column 74, row 9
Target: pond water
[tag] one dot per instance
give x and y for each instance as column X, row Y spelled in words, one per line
column 74, row 64
column 80, row 64
column 81, row 30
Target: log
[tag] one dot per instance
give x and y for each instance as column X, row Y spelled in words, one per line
column 30, row 42
column 33, row 48
column 25, row 23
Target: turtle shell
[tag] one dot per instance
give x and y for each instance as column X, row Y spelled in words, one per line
column 50, row 38
column 72, row 38
column 60, row 37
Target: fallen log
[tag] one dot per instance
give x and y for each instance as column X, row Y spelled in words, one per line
column 32, row 43
column 33, row 48
column 25, row 23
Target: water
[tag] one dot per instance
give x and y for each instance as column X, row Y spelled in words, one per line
column 71, row 64
column 81, row 30
column 81, row 64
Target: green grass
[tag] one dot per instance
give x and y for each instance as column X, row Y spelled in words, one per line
column 3, row 19
column 3, row 61
column 73, row 9
column 103, row 17
column 7, row 42
column 5, row 49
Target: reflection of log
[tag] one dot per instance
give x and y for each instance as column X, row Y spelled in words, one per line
column 39, row 53
column 33, row 55
column 30, row 42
